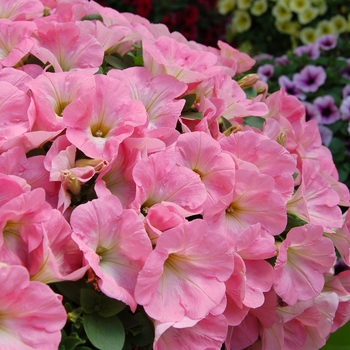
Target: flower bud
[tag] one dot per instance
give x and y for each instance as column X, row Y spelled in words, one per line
column 70, row 181
column 248, row 81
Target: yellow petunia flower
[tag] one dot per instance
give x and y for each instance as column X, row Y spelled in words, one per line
column 321, row 6
column 241, row 21
column 259, row 7
column 226, row 6
column 244, row 4
column 307, row 16
column 291, row 28
column 325, row 27
column 281, row 12
column 308, row 35
column 299, row 6
column 340, row 24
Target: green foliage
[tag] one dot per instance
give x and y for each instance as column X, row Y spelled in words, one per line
column 96, row 321
column 339, row 340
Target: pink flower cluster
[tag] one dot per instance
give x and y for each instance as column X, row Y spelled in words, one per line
column 185, row 210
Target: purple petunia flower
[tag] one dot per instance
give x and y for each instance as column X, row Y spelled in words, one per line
column 310, row 78
column 263, row 56
column 265, row 72
column 312, row 51
column 346, row 91
column 290, row 87
column 326, row 134
column 282, row 61
column 312, row 112
column 327, row 42
column 345, row 72
column 328, row 109
column 345, row 109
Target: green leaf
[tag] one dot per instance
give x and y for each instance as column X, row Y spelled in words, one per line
column 226, row 123
column 115, row 62
column 71, row 290
column 110, row 307
column 189, row 101
column 193, row 115
column 293, row 221
column 339, row 340
column 90, row 300
column 92, row 17
column 145, row 335
column 70, row 343
column 251, row 92
column 257, row 122
column 105, row 333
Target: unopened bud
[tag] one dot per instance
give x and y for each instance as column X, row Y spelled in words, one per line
column 70, row 181
column 248, row 81
column 97, row 164
column 260, row 91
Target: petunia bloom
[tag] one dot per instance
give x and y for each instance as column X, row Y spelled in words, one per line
column 185, row 273
column 32, row 315
column 115, row 245
column 98, row 122
column 328, row 109
column 310, row 78
column 303, row 259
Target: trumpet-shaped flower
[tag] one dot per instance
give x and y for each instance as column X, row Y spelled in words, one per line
column 254, row 151
column 115, row 245
column 208, row 333
column 18, row 10
column 185, row 273
column 310, row 78
column 328, row 109
column 115, row 178
column 58, row 258
column 159, row 179
column 15, row 42
column 201, row 153
column 53, row 92
column 98, row 122
column 158, row 94
column 252, row 201
column 168, row 56
column 315, row 201
column 32, row 315
column 21, row 221
column 303, row 259
column 14, row 105
column 65, row 48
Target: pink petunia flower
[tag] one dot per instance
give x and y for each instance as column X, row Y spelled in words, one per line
column 168, row 56
column 14, row 105
column 28, row 325
column 115, row 245
column 15, row 42
column 159, row 179
column 201, row 153
column 158, row 94
column 185, row 273
column 18, row 10
column 52, row 93
column 208, row 333
column 252, row 201
column 303, row 259
column 254, row 151
column 98, row 122
column 65, row 48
